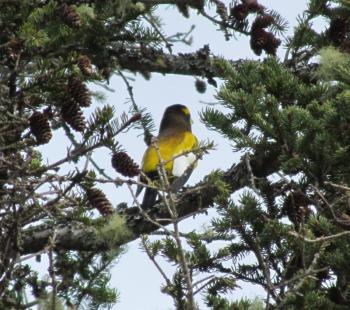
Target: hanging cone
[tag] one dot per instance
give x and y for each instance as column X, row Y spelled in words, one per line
column 338, row 29
column 123, row 164
column 221, row 9
column 295, row 206
column 262, row 21
column 68, row 15
column 40, row 127
column 260, row 39
column 98, row 200
column 241, row 11
column 72, row 115
column 201, row 86
column 79, row 92
column 84, row 64
column 13, row 49
column 183, row 9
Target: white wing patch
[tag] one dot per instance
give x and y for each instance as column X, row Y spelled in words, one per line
column 181, row 163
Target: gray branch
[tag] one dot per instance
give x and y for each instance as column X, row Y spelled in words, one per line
column 81, row 237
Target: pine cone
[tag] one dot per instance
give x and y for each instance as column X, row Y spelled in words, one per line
column 123, row 164
column 241, row 11
column 40, row 127
column 272, row 43
column 338, row 29
column 253, row 6
column 72, row 115
column 183, row 8
column 201, row 86
column 99, row 201
column 84, row 64
column 68, row 15
column 221, row 9
column 106, row 72
column 258, row 40
column 136, row 117
column 262, row 21
column 295, row 206
column 13, row 49
column 79, row 92
column 345, row 46
column 262, row 40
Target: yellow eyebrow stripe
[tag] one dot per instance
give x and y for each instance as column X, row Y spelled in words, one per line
column 186, row 111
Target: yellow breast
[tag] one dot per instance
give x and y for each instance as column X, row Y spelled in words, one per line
column 169, row 146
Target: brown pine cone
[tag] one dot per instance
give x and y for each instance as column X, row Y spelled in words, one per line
column 253, row 6
column 79, row 91
column 221, row 9
column 241, row 11
column 183, row 8
column 262, row 21
column 258, row 40
column 272, row 43
column 72, row 115
column 98, row 200
column 40, row 127
column 295, row 206
column 123, row 164
column 84, row 64
column 13, row 49
column 201, row 86
column 262, row 40
column 68, row 15
column 338, row 29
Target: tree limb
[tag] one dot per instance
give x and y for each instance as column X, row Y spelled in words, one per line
column 80, row 237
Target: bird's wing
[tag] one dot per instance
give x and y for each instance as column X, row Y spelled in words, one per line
column 183, row 165
column 179, row 169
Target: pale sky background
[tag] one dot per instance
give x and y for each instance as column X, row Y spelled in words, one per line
column 134, row 276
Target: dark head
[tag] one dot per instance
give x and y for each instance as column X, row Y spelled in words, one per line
column 176, row 117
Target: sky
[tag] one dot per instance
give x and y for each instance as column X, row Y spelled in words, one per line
column 134, row 276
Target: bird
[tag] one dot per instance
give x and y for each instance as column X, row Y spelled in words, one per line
column 175, row 137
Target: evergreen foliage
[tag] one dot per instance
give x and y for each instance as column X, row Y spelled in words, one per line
column 289, row 230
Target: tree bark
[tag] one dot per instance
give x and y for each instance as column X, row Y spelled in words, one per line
column 196, row 199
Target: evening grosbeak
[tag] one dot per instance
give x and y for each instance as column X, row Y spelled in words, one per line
column 174, row 138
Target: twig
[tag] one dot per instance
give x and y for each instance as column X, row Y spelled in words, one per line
column 167, row 44
column 164, row 179
column 81, row 150
column 21, row 260
column 210, row 278
column 153, row 260
column 250, row 172
column 340, row 186
column 309, row 273
column 147, row 133
column 330, row 207
column 319, row 239
column 299, row 285
column 52, row 271
column 174, row 215
column 145, row 214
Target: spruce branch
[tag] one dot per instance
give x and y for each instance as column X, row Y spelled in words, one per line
column 319, row 239
column 298, row 286
column 146, row 121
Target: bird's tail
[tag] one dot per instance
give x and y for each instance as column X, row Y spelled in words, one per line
column 149, row 199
